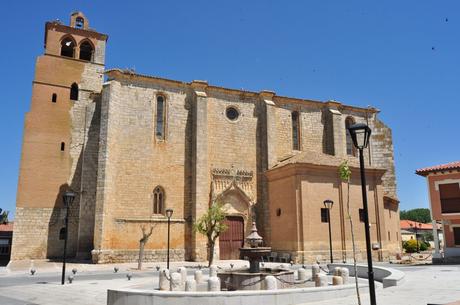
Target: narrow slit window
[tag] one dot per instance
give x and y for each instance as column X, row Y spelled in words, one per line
column 324, row 215
column 74, row 92
column 62, row 146
column 160, row 118
column 351, row 150
column 361, row 215
column 295, row 131
column 158, row 200
column 54, row 98
column 62, row 233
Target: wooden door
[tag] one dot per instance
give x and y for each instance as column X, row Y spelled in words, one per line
column 232, row 239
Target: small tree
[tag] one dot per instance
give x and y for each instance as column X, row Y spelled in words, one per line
column 345, row 175
column 211, row 225
column 142, row 242
column 3, row 216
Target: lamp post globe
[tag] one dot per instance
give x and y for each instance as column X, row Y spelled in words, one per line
column 169, row 213
column 68, row 198
column 360, row 134
column 328, row 203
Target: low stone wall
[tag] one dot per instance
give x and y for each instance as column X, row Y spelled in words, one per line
column 126, row 256
column 242, row 297
column 387, row 276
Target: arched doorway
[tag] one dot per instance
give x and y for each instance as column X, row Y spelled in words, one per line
column 232, row 239
column 237, row 207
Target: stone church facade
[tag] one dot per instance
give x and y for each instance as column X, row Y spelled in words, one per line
column 132, row 145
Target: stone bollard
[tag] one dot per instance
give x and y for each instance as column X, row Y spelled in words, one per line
column 198, row 276
column 315, row 270
column 270, row 283
column 176, row 281
column 337, row 280
column 213, row 271
column 183, row 274
column 338, row 271
column 164, row 282
column 345, row 275
column 320, row 280
column 190, row 285
column 302, row 274
column 214, row 284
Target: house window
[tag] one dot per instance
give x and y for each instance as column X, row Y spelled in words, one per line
column 351, row 150
column 62, row 146
column 389, row 237
column 160, row 118
column 324, row 215
column 361, row 215
column 74, row 92
column 457, row 236
column 450, row 197
column 158, row 200
column 295, row 131
column 67, row 47
column 232, row 113
column 86, row 51
column 54, row 98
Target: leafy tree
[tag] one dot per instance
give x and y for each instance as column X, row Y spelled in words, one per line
column 211, row 225
column 345, row 175
column 3, row 216
column 419, row 215
column 142, row 242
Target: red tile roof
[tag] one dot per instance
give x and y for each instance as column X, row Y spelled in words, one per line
column 409, row 224
column 6, row 227
column 443, row 167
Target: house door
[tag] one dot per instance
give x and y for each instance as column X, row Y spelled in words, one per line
column 232, row 239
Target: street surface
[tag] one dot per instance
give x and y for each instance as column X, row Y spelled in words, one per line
column 424, row 284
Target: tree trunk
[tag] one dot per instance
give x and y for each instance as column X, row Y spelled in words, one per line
column 141, row 255
column 211, row 253
column 353, row 243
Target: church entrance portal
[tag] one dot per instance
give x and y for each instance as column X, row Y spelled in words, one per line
column 232, row 239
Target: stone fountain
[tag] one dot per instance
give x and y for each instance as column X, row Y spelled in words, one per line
column 253, row 278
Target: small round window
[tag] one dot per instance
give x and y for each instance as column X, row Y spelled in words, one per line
column 232, row 113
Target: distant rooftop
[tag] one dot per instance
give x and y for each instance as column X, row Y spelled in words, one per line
column 438, row 168
column 409, row 224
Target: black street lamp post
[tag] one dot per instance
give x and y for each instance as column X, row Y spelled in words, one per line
column 360, row 134
column 328, row 205
column 68, row 199
column 169, row 213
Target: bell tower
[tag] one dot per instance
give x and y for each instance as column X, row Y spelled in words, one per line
column 60, row 140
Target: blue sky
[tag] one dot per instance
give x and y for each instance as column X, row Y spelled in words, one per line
column 402, row 57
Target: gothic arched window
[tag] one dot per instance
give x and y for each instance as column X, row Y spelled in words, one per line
column 295, row 130
column 74, row 92
column 158, row 200
column 67, row 47
column 86, row 51
column 351, row 150
column 160, row 117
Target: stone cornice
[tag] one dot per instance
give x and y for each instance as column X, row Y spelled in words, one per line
column 127, row 74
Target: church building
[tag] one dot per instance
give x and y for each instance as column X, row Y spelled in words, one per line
column 132, row 145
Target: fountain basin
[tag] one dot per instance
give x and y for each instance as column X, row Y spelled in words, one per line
column 243, row 279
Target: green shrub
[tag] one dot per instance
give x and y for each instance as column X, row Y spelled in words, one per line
column 422, row 245
column 410, row 246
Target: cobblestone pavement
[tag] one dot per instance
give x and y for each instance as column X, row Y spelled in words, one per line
column 424, row 284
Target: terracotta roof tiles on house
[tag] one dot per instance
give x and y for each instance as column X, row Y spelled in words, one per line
column 409, row 224
column 438, row 168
